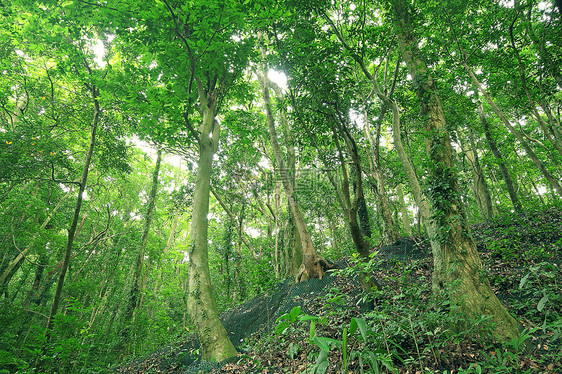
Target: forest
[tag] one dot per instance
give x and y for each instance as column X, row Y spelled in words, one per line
column 166, row 164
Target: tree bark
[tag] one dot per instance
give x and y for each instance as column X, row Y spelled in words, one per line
column 201, row 305
column 389, row 233
column 461, row 264
column 313, row 265
column 480, row 187
column 404, row 210
column 499, row 159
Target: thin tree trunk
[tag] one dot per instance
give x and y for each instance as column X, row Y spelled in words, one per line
column 137, row 284
column 78, row 206
column 499, row 159
column 461, row 264
column 390, row 234
column 544, row 127
column 554, row 182
column 480, row 186
column 313, row 265
column 351, row 207
column 424, row 212
column 11, row 268
column 483, row 190
column 233, row 218
column 419, row 197
column 404, row 210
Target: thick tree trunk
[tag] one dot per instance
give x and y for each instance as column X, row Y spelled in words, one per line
column 461, row 264
column 293, row 255
column 201, row 305
column 295, row 252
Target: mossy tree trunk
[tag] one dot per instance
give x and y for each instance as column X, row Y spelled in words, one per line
column 462, row 267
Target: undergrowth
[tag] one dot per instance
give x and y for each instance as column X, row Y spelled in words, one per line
column 411, row 331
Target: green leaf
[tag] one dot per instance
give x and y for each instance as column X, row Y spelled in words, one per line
column 291, row 316
column 524, row 280
column 324, row 343
column 280, row 329
column 542, row 302
column 306, row 317
column 294, row 313
column 293, row 350
column 358, row 323
column 321, row 364
column 312, row 333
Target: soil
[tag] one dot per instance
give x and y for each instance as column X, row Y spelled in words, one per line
column 508, row 248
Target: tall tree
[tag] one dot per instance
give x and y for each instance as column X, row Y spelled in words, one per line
column 460, row 259
column 313, row 265
column 136, row 287
column 500, row 161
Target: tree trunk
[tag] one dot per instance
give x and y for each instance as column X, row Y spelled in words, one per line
column 499, row 159
column 295, row 251
column 389, row 232
column 543, row 125
column 554, row 182
column 404, row 210
column 461, row 264
column 78, row 206
column 480, row 187
column 313, row 265
column 201, row 305
column 9, row 270
column 240, row 230
column 424, row 212
column 137, row 284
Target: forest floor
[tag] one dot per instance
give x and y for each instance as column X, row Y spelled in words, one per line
column 326, row 326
